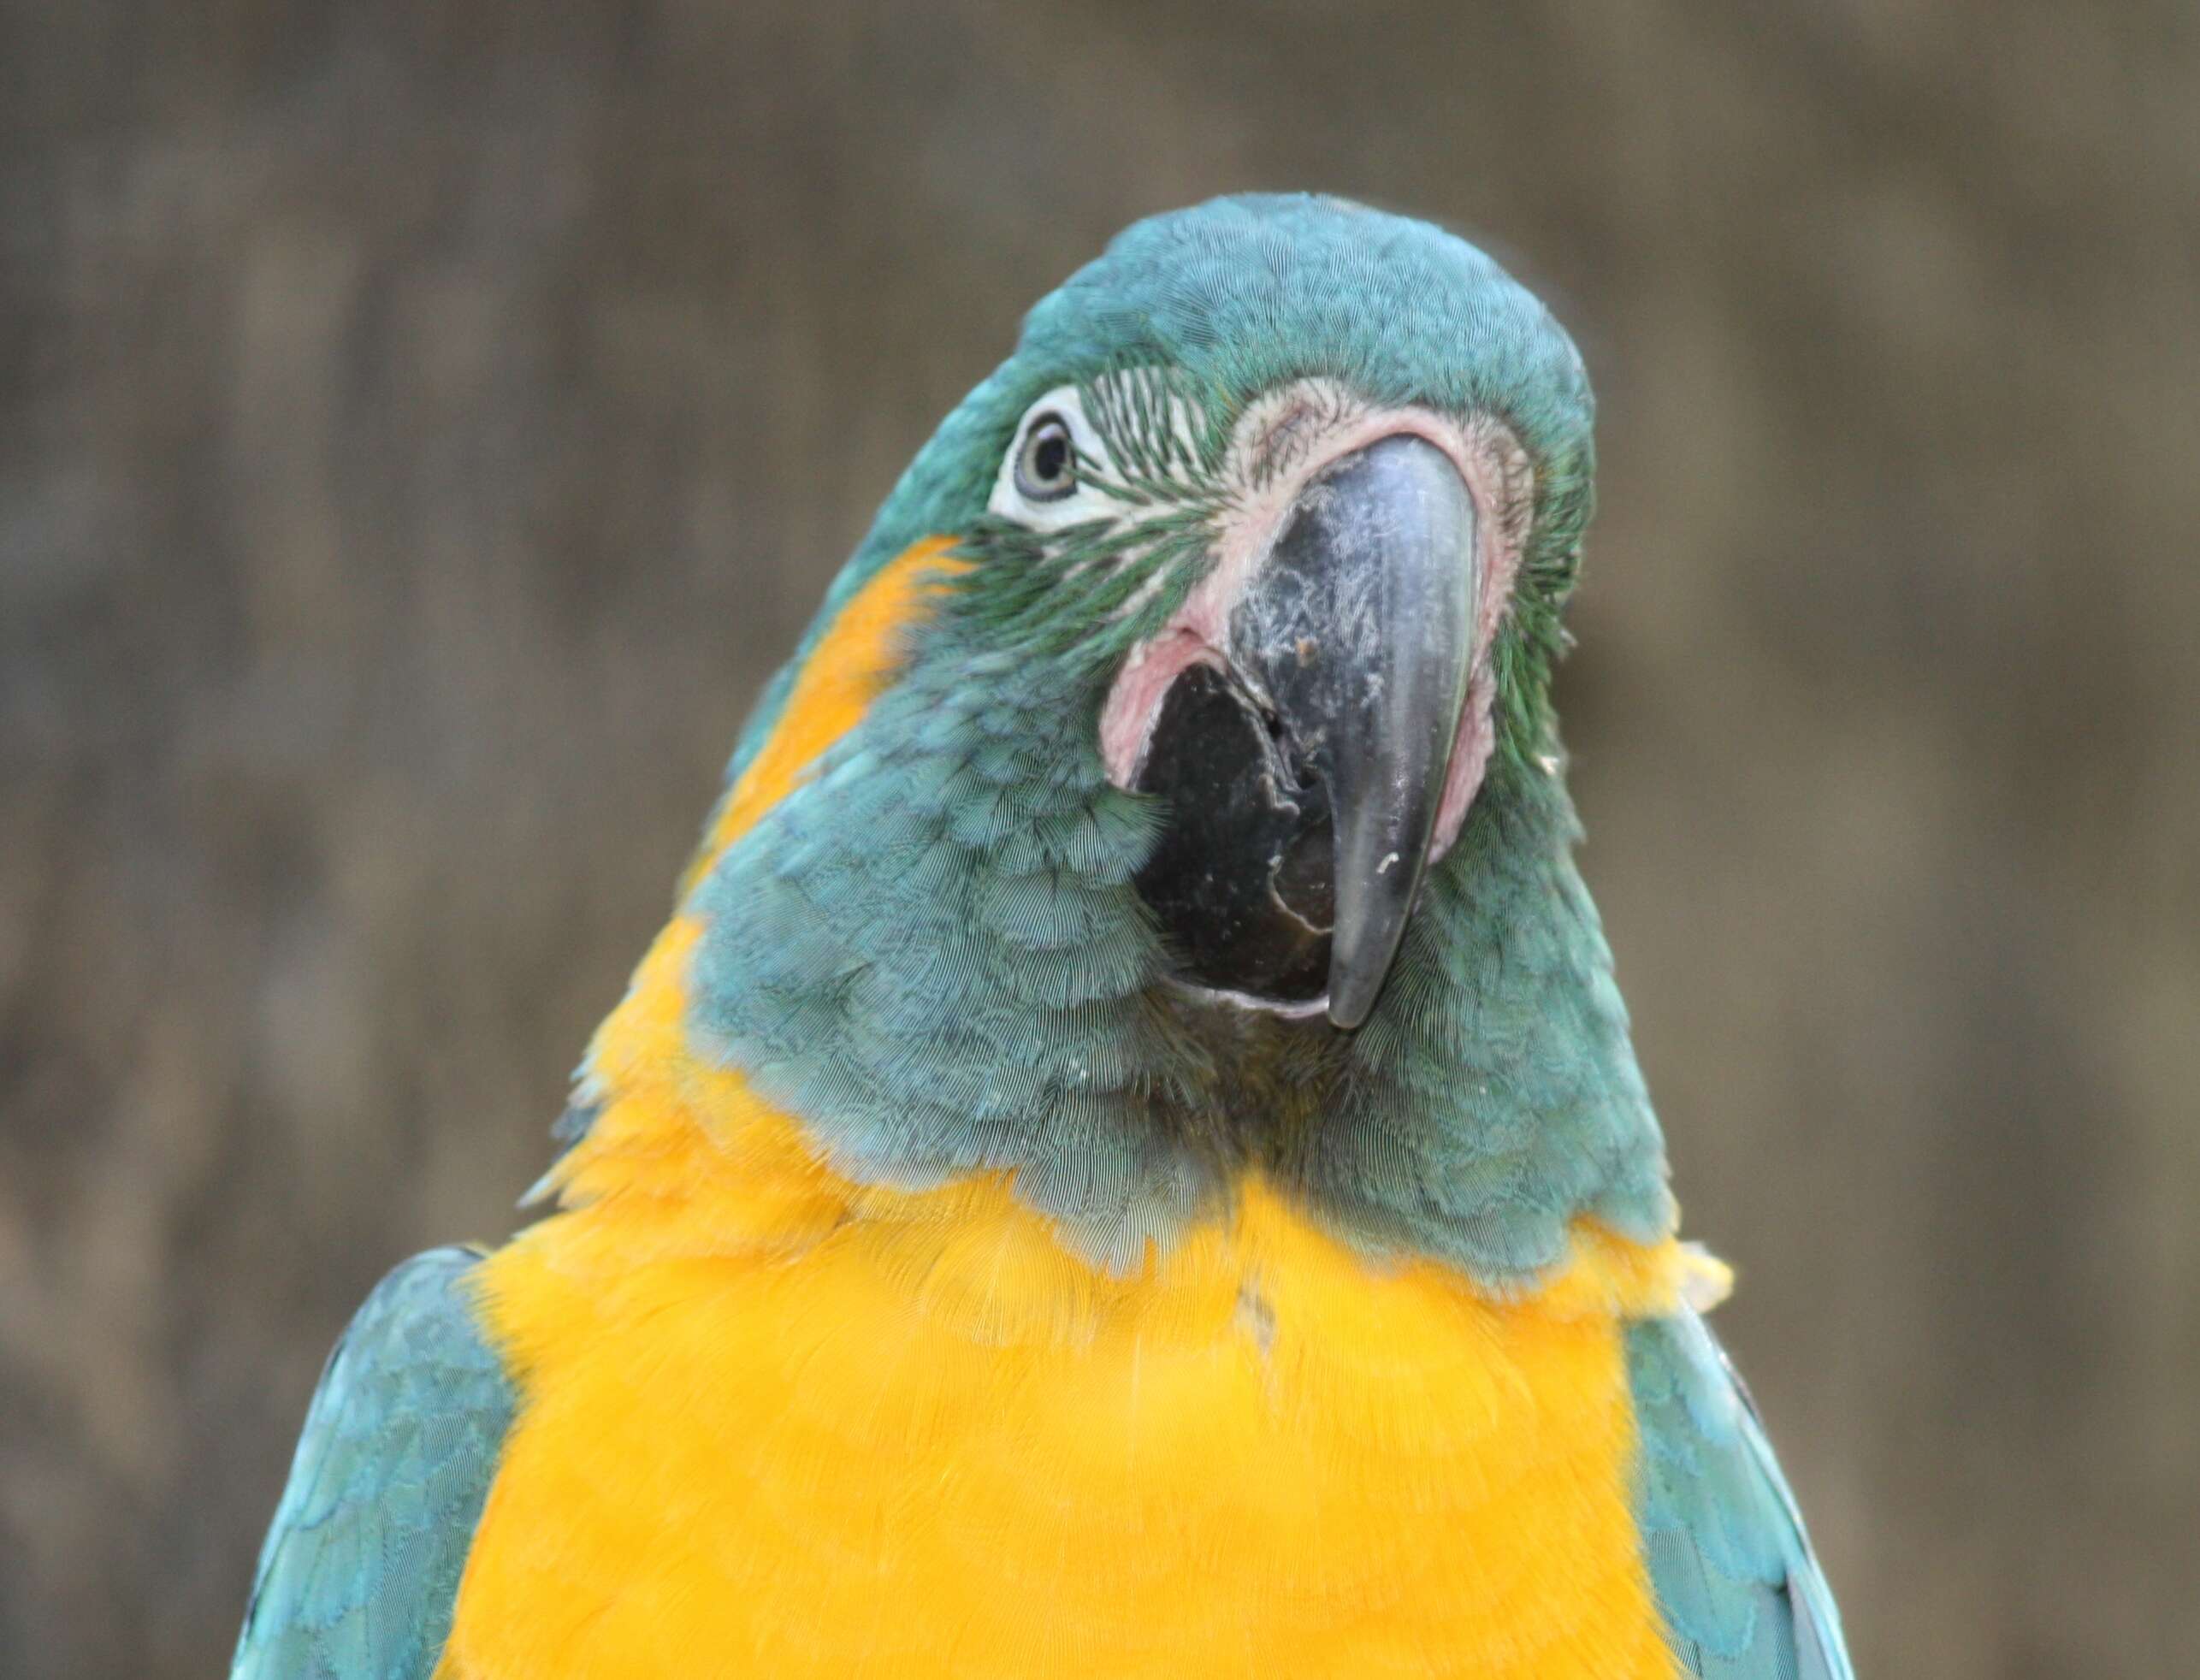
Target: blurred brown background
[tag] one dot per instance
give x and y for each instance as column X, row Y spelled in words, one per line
column 421, row 428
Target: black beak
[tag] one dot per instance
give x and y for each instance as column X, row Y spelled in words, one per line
column 1304, row 774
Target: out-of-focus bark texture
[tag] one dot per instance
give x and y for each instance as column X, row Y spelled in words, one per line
column 421, row 428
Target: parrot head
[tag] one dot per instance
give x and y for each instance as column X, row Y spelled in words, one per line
column 1208, row 816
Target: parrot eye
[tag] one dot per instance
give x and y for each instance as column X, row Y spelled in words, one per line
column 1054, row 472
column 1046, row 465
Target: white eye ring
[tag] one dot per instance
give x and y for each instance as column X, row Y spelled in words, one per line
column 1049, row 477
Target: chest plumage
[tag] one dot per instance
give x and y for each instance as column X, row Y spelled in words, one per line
column 802, row 1429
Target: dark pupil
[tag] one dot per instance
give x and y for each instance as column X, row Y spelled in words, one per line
column 1049, row 456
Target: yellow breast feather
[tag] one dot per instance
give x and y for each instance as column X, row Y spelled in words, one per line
column 774, row 1423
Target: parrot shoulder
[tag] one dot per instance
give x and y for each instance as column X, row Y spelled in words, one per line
column 360, row 1568
column 1743, row 1595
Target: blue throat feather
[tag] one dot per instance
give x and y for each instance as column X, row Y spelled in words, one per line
column 934, row 954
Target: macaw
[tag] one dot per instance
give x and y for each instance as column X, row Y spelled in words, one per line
column 1127, row 1159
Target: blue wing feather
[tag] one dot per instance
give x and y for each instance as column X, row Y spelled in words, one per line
column 360, row 1569
column 1742, row 1596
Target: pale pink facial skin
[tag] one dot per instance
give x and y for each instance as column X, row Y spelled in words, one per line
column 1283, row 442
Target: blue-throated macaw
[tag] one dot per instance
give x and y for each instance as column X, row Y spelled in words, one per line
column 1127, row 1159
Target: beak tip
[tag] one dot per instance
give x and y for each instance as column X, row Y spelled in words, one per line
column 1352, row 1000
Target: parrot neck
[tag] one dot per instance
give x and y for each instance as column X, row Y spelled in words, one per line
column 915, row 931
